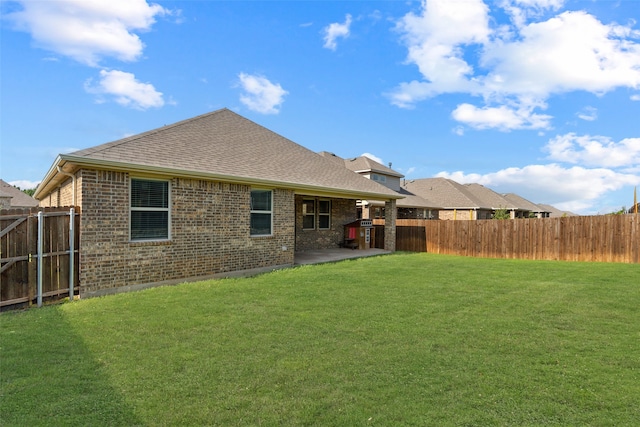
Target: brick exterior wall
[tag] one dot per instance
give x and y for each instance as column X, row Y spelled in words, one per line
column 343, row 211
column 209, row 233
column 61, row 196
column 464, row 214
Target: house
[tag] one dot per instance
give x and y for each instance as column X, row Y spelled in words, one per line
column 553, row 212
column 525, row 208
column 209, row 195
column 456, row 201
column 11, row 197
column 411, row 206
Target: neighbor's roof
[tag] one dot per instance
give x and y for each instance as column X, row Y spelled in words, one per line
column 522, row 203
column 445, row 193
column 225, row 146
column 19, row 199
column 364, row 164
column 555, row 212
column 410, row 200
column 490, row 198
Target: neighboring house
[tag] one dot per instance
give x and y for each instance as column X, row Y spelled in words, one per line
column 553, row 212
column 495, row 201
column 456, row 201
column 11, row 197
column 525, row 208
column 411, row 206
column 213, row 194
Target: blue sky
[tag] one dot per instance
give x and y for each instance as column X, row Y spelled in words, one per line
column 536, row 97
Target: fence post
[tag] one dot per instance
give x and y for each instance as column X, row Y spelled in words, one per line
column 72, row 240
column 40, row 257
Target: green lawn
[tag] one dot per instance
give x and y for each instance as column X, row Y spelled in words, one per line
column 404, row 339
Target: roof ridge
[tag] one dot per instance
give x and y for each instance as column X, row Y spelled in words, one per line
column 125, row 140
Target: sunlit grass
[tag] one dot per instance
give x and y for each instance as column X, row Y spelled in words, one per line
column 406, row 339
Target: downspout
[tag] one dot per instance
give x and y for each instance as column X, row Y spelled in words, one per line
column 73, row 179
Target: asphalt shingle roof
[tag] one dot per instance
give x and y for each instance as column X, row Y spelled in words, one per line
column 365, row 164
column 444, row 193
column 522, row 203
column 224, row 144
column 18, row 198
column 489, row 198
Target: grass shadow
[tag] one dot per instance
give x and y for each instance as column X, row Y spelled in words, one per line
column 50, row 377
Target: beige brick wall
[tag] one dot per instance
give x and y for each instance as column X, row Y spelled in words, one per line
column 209, row 233
column 343, row 211
column 61, row 196
column 459, row 214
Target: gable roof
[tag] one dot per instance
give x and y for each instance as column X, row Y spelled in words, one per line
column 522, row 203
column 18, row 198
column 224, row 146
column 489, row 198
column 364, row 164
column 445, row 193
column 555, row 212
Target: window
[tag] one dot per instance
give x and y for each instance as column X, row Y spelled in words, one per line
column 316, row 212
column 324, row 214
column 261, row 213
column 308, row 214
column 149, row 207
column 378, row 178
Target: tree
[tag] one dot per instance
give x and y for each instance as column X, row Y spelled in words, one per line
column 501, row 213
column 620, row 212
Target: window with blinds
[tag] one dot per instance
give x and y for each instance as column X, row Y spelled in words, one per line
column 261, row 212
column 149, row 210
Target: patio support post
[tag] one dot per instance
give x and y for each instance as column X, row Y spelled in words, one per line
column 390, row 215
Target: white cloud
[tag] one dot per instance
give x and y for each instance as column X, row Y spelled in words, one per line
column 519, row 65
column 336, row 30
column 523, row 10
column 588, row 113
column 260, row 94
column 373, row 157
column 88, row 30
column 599, row 151
column 572, row 51
column 434, row 39
column 24, row 184
column 125, row 90
column 574, row 188
column 409, row 171
column 635, row 97
column 503, row 118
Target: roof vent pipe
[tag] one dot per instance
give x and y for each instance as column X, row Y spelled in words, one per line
column 73, row 179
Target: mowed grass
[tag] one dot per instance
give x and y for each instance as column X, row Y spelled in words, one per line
column 403, row 339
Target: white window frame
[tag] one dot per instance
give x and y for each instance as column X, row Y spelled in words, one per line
column 149, row 209
column 306, row 214
column 316, row 214
column 259, row 211
column 327, row 214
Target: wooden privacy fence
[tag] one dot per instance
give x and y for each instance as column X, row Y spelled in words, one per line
column 38, row 250
column 606, row 238
column 410, row 234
